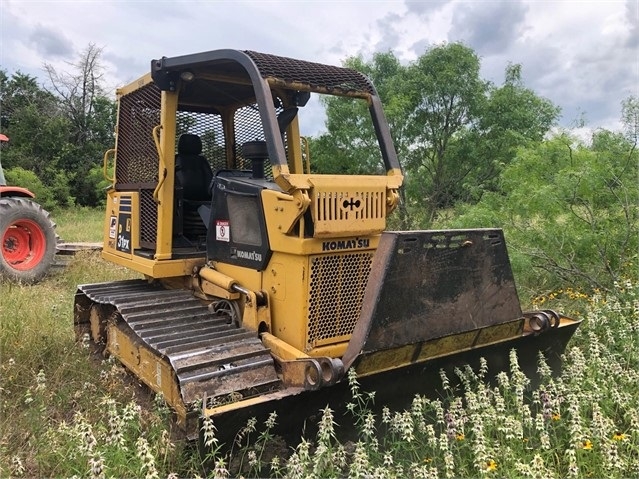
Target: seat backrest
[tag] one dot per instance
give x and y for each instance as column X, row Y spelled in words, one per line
column 193, row 171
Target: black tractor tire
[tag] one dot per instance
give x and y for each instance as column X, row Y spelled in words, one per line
column 27, row 240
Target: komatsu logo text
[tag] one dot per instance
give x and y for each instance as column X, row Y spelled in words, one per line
column 250, row 255
column 345, row 244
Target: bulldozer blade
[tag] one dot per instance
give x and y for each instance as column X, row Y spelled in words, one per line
column 432, row 284
column 298, row 410
column 435, row 300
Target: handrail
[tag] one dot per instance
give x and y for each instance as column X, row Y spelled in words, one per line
column 162, row 166
column 105, row 165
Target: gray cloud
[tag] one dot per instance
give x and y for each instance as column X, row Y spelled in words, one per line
column 584, row 59
column 423, row 7
column 391, row 37
column 420, row 47
column 489, row 27
column 51, row 43
column 632, row 17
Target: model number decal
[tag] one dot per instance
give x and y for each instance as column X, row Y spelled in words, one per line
column 124, row 233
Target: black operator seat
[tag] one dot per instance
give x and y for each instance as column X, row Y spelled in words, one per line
column 193, row 171
column 194, row 175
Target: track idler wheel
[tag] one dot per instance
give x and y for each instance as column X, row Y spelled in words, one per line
column 229, row 308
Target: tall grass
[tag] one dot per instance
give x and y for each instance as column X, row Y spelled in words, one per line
column 583, row 423
column 64, row 412
column 80, row 224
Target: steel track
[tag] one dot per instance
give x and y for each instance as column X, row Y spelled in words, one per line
column 210, row 356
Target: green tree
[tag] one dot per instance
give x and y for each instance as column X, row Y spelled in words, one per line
column 512, row 117
column 454, row 132
column 91, row 116
column 38, row 131
column 447, row 97
column 33, row 121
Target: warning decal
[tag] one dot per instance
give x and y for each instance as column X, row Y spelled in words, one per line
column 113, row 223
column 222, row 230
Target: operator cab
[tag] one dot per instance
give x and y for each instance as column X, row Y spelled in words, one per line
column 207, row 199
column 207, row 137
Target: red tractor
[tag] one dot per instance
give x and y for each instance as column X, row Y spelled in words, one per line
column 27, row 234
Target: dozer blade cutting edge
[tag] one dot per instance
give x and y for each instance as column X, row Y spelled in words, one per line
column 435, row 300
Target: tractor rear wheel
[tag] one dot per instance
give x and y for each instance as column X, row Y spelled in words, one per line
column 27, row 240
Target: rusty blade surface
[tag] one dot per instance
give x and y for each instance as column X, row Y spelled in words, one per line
column 430, row 284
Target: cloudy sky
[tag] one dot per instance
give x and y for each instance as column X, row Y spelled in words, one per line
column 582, row 55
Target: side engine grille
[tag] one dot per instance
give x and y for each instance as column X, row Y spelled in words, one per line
column 337, row 284
column 148, row 219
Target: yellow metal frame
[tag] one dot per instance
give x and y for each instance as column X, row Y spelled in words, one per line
column 134, row 85
column 155, row 372
column 166, row 181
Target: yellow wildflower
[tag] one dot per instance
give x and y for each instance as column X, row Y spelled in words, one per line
column 587, row 444
column 460, row 436
column 556, row 416
column 491, row 465
column 619, row 436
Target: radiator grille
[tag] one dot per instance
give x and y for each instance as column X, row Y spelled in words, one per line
column 347, row 206
column 337, row 284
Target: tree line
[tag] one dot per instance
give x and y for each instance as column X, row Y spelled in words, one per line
column 58, row 133
column 474, row 154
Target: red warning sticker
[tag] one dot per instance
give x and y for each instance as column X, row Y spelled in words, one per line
column 222, row 230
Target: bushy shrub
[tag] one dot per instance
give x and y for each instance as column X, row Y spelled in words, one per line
column 569, row 211
column 28, row 179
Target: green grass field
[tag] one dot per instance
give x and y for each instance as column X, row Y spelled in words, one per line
column 65, row 413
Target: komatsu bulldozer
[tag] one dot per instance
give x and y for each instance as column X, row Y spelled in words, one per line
column 265, row 282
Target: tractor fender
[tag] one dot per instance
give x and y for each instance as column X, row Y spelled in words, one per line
column 15, row 191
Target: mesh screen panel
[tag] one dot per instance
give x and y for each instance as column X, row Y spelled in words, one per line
column 248, row 127
column 208, row 126
column 148, row 218
column 137, row 157
column 337, row 289
column 315, row 75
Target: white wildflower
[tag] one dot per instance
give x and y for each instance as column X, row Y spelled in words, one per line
column 96, row 463
column 17, row 468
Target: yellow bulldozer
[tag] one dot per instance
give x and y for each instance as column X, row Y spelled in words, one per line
column 266, row 282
